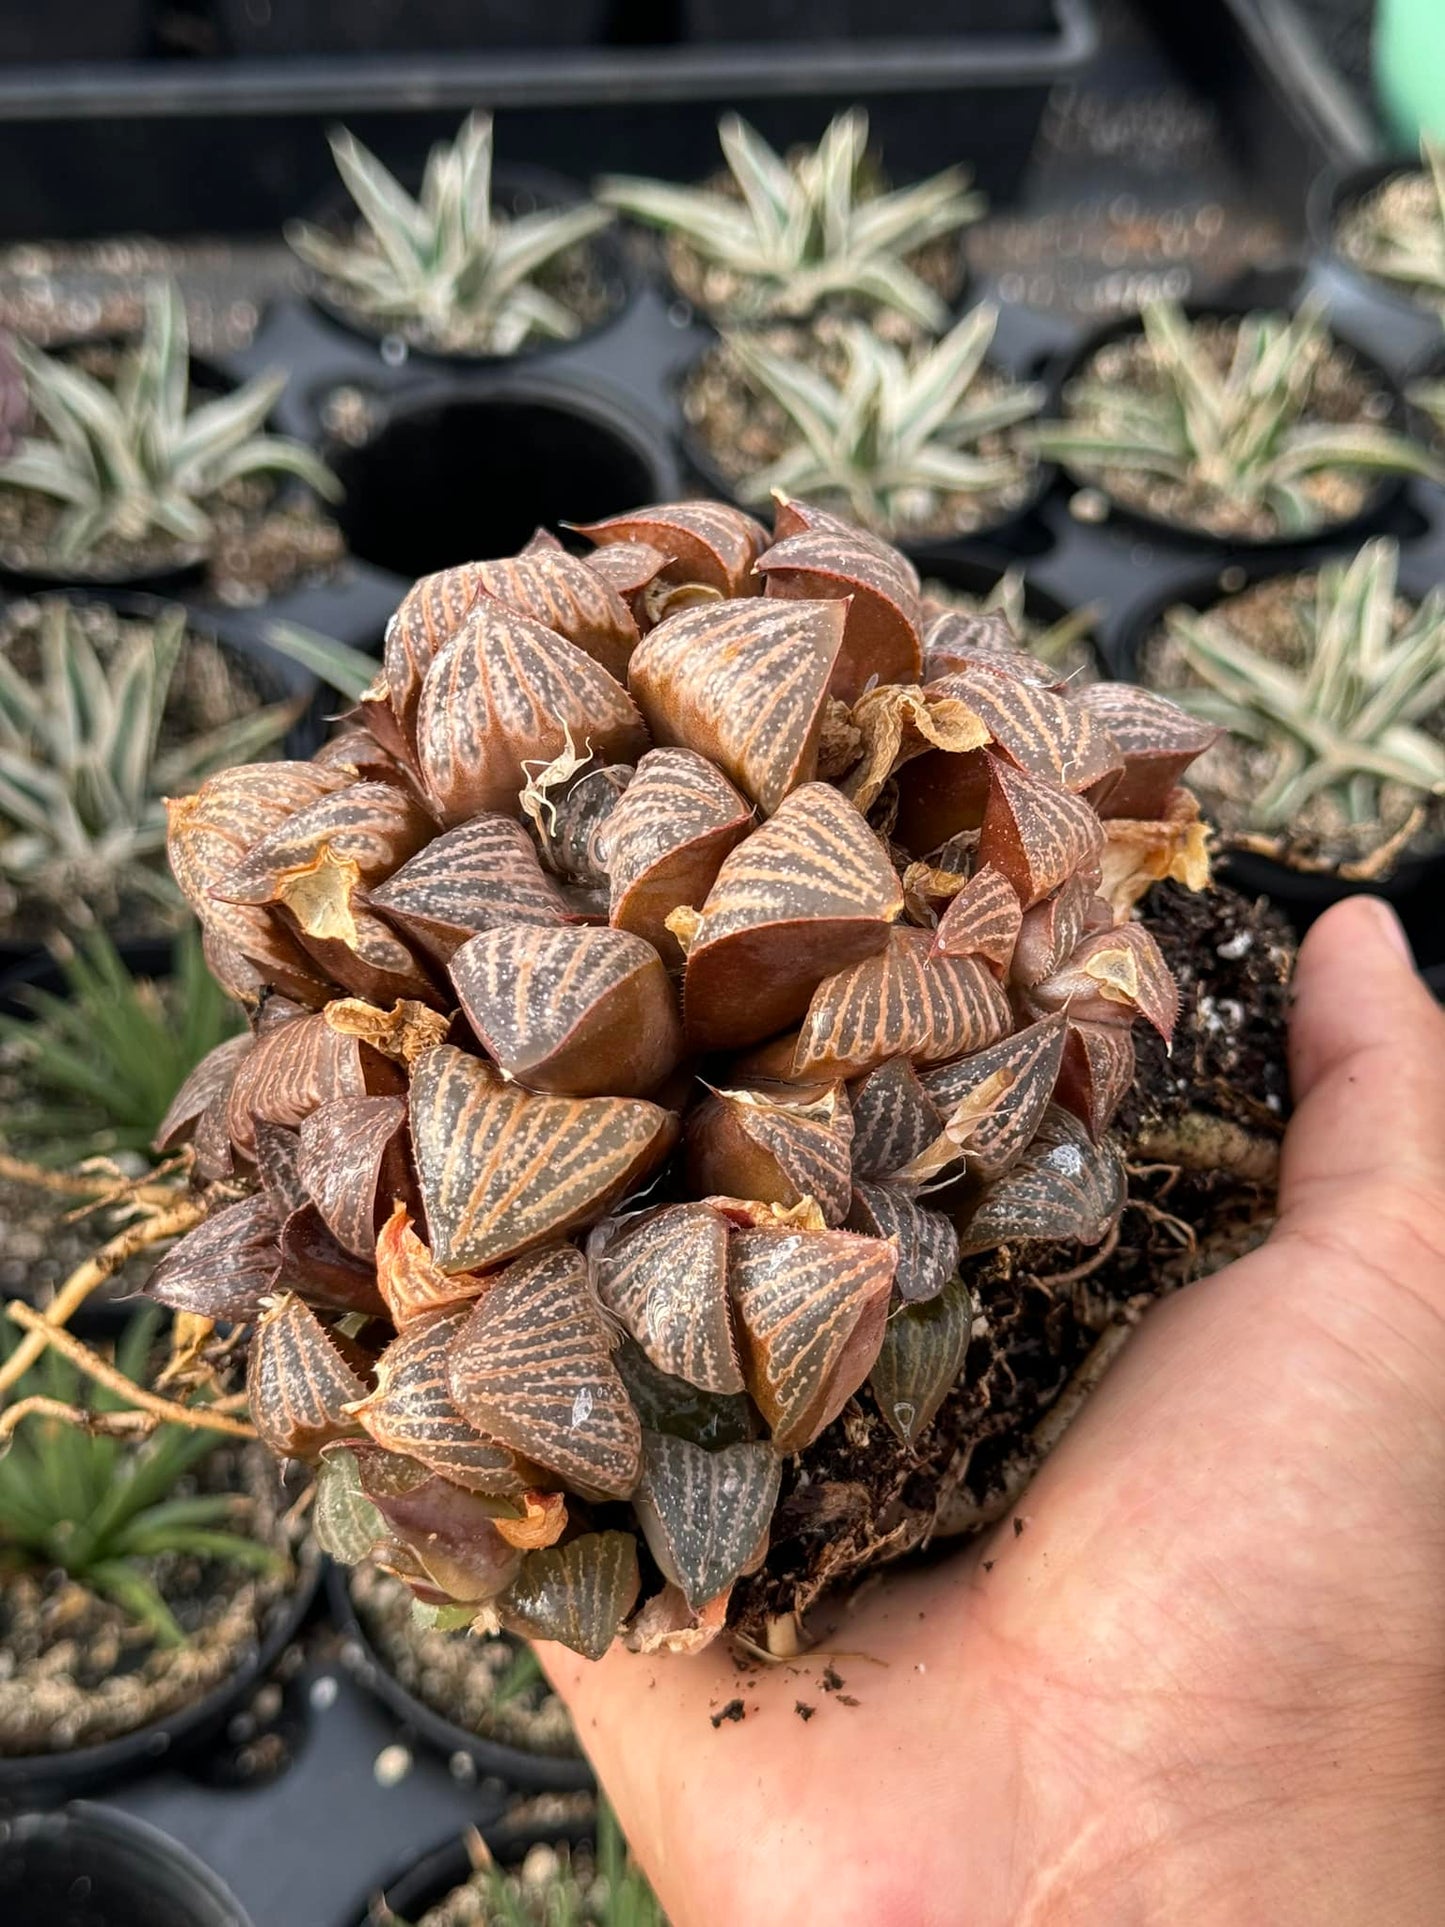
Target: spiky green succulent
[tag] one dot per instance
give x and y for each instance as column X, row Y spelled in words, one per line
column 1230, row 433
column 131, row 458
column 448, row 268
column 795, row 234
column 104, row 1509
column 1353, row 714
column 901, row 434
column 83, row 773
column 1398, row 231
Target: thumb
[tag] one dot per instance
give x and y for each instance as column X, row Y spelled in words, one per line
column 1367, row 1060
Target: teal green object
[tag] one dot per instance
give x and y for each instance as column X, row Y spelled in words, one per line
column 1410, row 68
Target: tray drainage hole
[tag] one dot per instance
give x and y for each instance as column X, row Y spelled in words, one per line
column 466, row 478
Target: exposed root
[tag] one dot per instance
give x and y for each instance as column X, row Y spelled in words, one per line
column 206, row 1418
column 179, row 1215
column 1200, row 1141
column 98, row 1188
column 112, row 1424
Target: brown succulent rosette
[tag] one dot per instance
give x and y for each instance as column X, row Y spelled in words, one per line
column 684, row 963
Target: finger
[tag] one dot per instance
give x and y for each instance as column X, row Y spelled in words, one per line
column 1367, row 1059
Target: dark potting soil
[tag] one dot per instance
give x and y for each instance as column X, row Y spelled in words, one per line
column 1269, row 619
column 576, row 278
column 858, row 1497
column 1340, row 392
column 744, row 432
column 75, row 1670
column 469, row 1680
column 1404, row 201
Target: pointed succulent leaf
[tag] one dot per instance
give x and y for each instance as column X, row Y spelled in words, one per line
column 1157, row 739
column 664, row 844
column 880, row 637
column 506, row 692
column 1051, row 931
column 298, row 1382
column 1064, row 1186
column 903, row 1002
column 779, row 1150
column 449, row 1533
column 210, row 1079
column 663, row 1274
column 1035, row 833
column 1097, row 1069
column 353, row 1163
column 428, row 616
column 298, row 1066
column 412, row 1411
column 810, row 1307
column 709, row 542
column 224, row 1267
column 922, row 1355
column 346, row 1523
column 503, row 1169
column 313, row 1265
column 577, row 1594
column 982, row 920
column 994, row 1101
column 745, row 685
column 480, row 876
column 532, row 1369
column 960, row 641
column 1110, row 977
column 926, row 1242
column 810, row 892
column 576, row 1012
column 894, row 1118
column 362, row 832
column 705, row 1515
column 1051, row 737
column 278, row 1166
column 565, row 594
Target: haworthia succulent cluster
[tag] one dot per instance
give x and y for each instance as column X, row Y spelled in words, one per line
column 797, row 233
column 132, row 458
column 448, row 267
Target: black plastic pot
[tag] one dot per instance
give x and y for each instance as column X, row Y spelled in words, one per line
column 1383, row 495
column 46, row 1779
column 68, row 30
column 1416, row 886
column 813, row 20
column 219, row 146
column 539, row 1771
column 89, row 1866
column 403, row 26
column 517, row 190
column 458, row 469
column 430, row 1879
column 1382, row 315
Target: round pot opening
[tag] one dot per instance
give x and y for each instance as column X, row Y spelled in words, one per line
column 87, row 1865
column 462, row 477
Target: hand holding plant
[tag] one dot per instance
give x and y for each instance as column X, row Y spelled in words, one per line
column 1197, row 1675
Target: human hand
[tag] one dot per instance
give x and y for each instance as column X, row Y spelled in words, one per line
column 1206, row 1682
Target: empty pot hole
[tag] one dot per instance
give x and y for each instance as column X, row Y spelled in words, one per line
column 465, row 479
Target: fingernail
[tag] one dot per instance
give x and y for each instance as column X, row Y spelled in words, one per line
column 1391, row 928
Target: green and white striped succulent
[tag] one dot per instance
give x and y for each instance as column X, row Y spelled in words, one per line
column 1398, row 231
column 131, row 458
column 1351, row 717
column 82, row 776
column 447, row 268
column 901, row 434
column 798, row 233
column 1239, row 433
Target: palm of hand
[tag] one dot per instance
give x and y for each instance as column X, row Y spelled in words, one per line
column 1206, row 1681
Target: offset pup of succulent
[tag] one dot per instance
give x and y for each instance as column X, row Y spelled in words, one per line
column 1397, row 231
column 787, row 237
column 676, row 967
column 449, row 269
column 1332, row 689
column 1246, row 428
column 132, row 460
column 84, row 771
column 906, row 443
